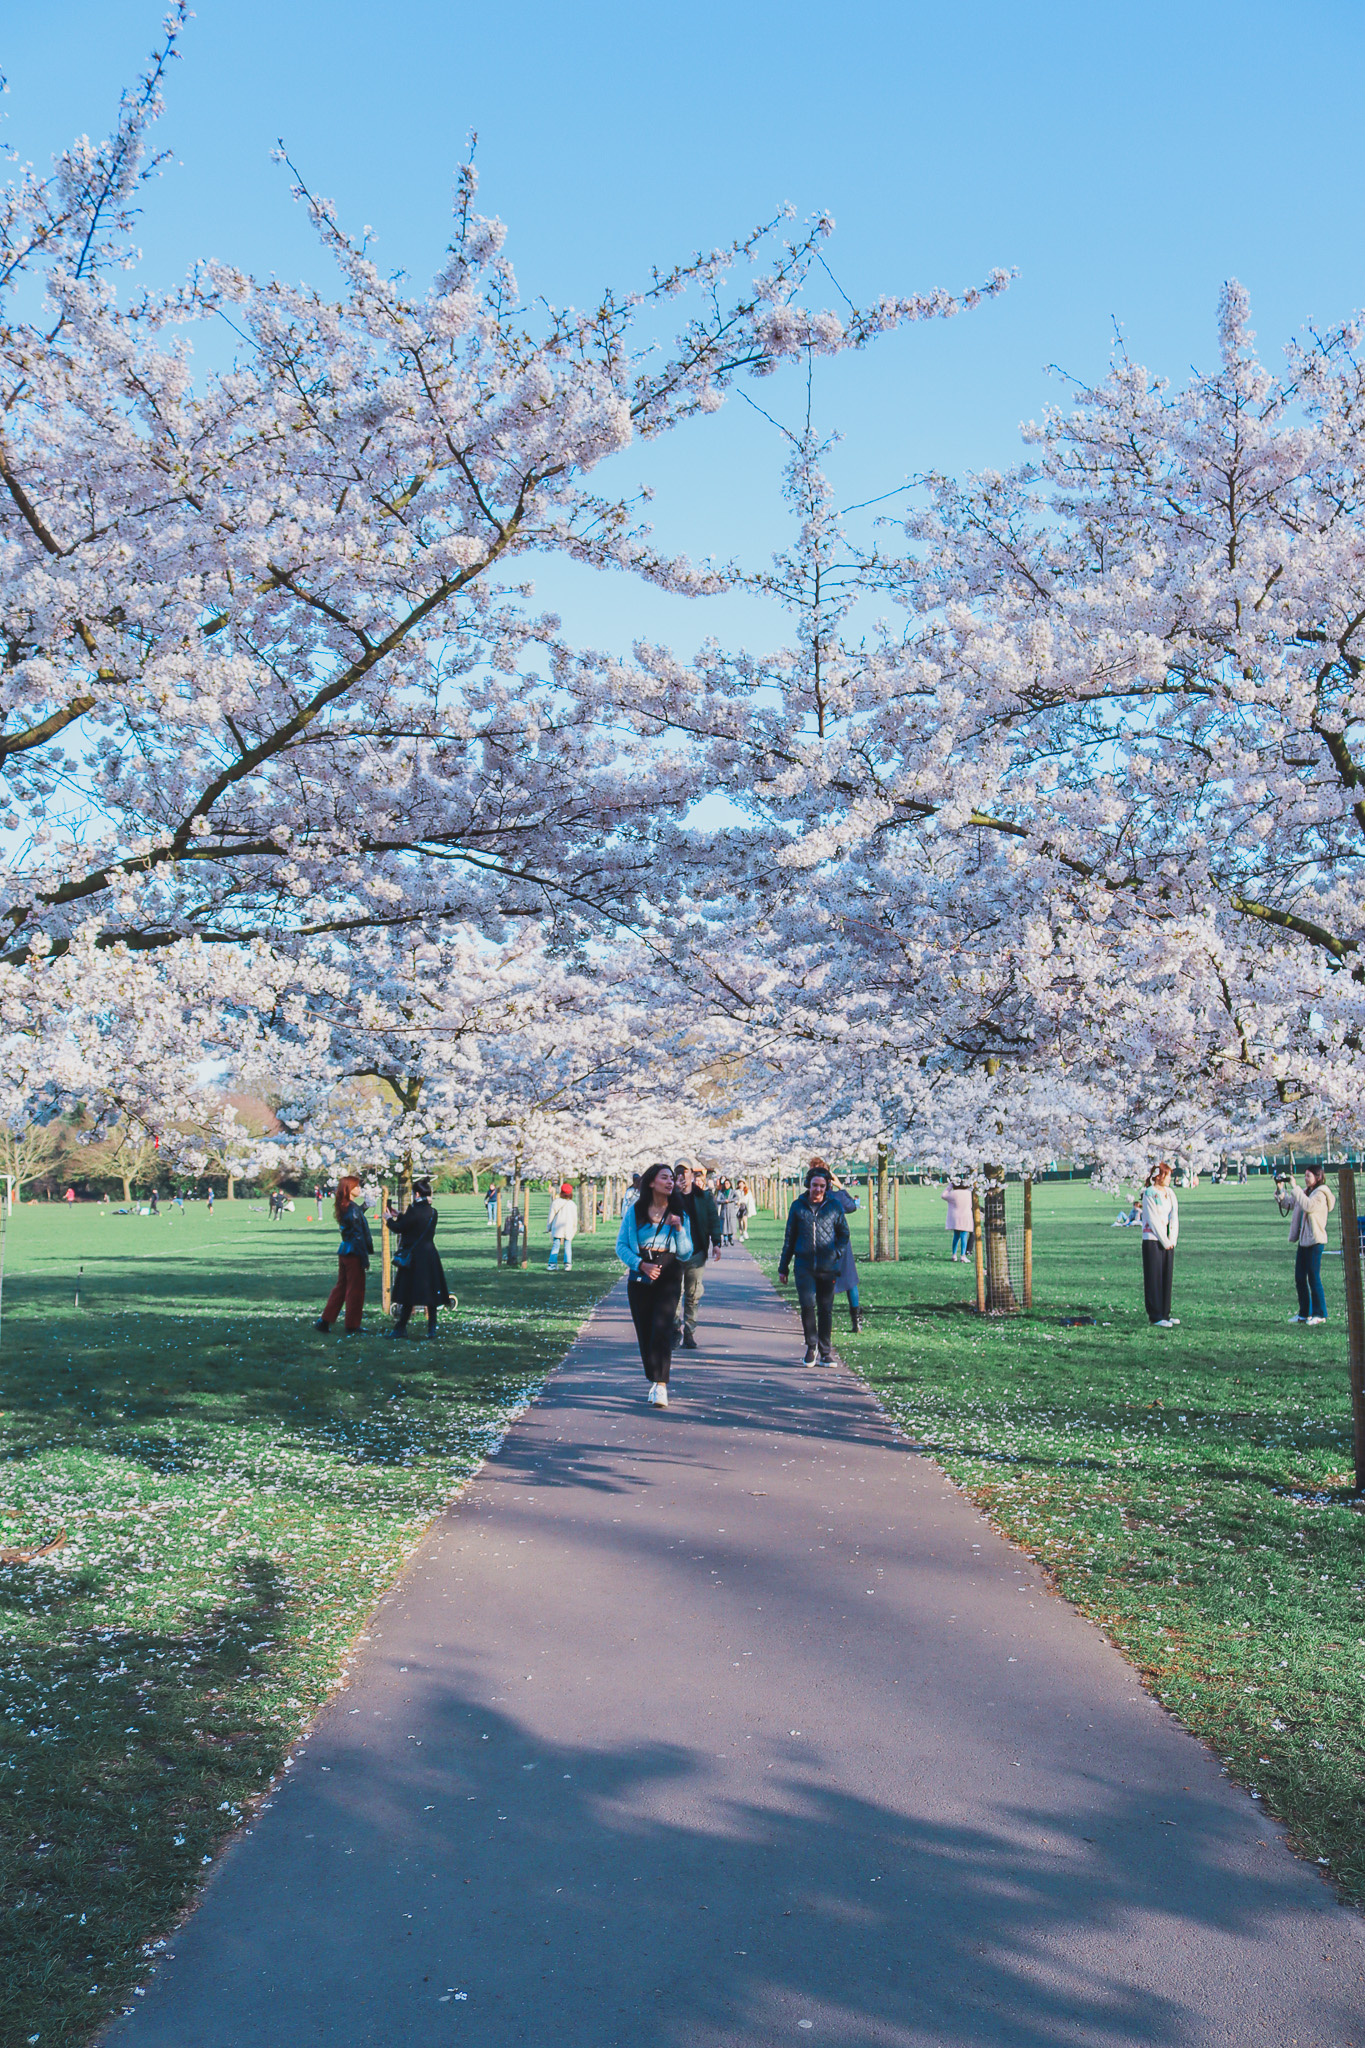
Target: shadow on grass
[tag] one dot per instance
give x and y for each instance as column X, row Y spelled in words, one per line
column 137, row 1748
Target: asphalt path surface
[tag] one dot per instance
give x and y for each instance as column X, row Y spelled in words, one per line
column 735, row 1724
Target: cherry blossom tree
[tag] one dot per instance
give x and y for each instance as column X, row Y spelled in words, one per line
column 270, row 663
column 1081, row 823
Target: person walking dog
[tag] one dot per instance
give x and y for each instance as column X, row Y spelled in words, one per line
column 419, row 1279
column 353, row 1257
column 1310, row 1206
column 561, row 1226
column 817, row 1233
column 694, row 1198
column 655, row 1243
column 1160, row 1230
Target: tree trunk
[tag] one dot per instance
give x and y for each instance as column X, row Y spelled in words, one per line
column 232, row 1187
column 127, row 1187
column 405, row 1183
column 883, row 1219
column 1000, row 1296
column 474, row 1179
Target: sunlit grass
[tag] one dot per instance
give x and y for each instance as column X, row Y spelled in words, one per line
column 1189, row 1489
column 236, row 1491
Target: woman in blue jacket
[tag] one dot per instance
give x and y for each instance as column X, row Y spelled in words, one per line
column 655, row 1243
column 817, row 1238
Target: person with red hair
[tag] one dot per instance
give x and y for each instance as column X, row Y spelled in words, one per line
column 353, row 1257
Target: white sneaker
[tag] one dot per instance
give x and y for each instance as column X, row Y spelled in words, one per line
column 1298, row 1319
column 660, row 1394
column 1317, row 1319
column 653, row 1394
column 1163, row 1323
column 1174, row 1322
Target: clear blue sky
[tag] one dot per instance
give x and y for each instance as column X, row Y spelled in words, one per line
column 1127, row 159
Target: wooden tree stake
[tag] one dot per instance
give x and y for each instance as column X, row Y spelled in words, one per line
column 980, row 1255
column 1355, row 1315
column 1028, row 1241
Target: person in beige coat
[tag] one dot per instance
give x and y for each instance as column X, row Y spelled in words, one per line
column 1310, row 1207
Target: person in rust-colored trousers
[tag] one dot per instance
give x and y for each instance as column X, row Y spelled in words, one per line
column 353, row 1258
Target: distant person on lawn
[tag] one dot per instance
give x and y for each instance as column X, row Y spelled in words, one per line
column 816, row 1238
column 959, row 1216
column 561, row 1226
column 353, row 1258
column 419, row 1279
column 1160, row 1229
column 1310, row 1206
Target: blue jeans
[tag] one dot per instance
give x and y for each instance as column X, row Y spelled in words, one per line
column 1308, row 1280
column 959, row 1242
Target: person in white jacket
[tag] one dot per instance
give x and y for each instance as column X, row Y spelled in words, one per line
column 562, row 1225
column 1311, row 1205
column 1160, row 1229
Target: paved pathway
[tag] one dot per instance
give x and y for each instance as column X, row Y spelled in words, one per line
column 734, row 1725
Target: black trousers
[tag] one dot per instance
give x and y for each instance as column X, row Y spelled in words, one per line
column 1158, row 1267
column 653, row 1310
column 815, row 1292
column 405, row 1311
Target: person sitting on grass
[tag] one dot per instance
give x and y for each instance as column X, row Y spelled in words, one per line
column 1310, row 1207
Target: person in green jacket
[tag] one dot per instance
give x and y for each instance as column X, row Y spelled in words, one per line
column 692, row 1195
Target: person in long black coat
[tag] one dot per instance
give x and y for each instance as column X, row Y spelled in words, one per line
column 419, row 1279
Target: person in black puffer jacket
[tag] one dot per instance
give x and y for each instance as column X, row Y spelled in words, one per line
column 816, row 1239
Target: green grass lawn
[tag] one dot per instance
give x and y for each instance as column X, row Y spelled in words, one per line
column 1188, row 1489
column 236, row 1491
